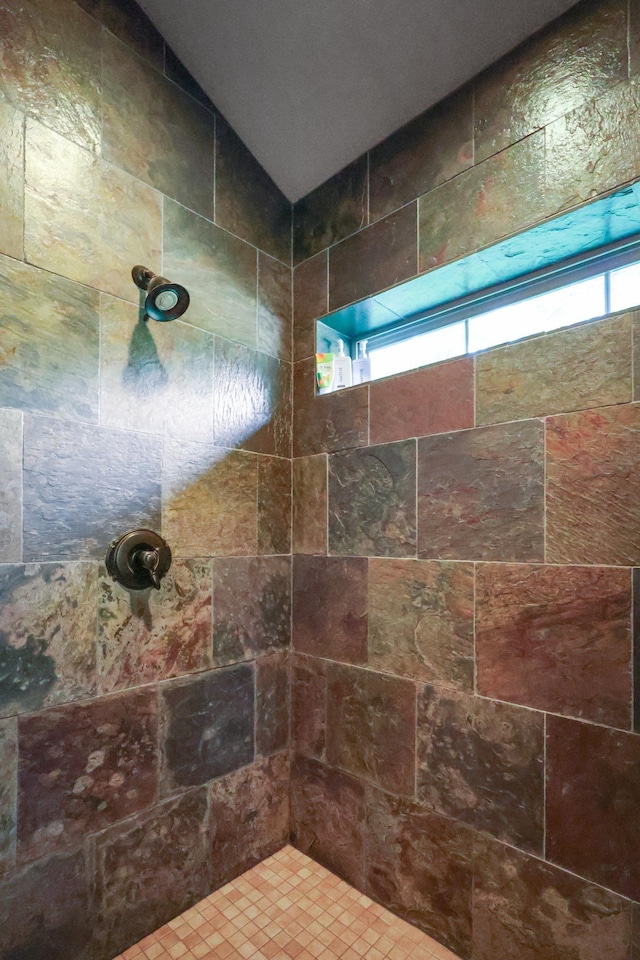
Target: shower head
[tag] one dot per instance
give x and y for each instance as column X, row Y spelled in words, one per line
column 165, row 300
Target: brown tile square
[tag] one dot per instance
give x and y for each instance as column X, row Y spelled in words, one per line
column 556, row 638
column 331, row 212
column 310, row 301
column 251, row 607
column 330, row 607
column 592, row 486
column 272, row 704
column 274, row 505
column 308, row 705
column 310, row 505
column 480, row 493
column 332, row 422
column 371, row 726
column 275, row 304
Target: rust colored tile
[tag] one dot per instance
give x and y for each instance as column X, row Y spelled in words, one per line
column 497, row 198
column 330, row 607
column 310, row 505
column 310, row 301
column 374, row 258
column 11, row 444
column 371, row 726
column 435, row 147
column 528, row 909
column 556, row 638
column 481, row 762
column 251, row 606
column 328, row 813
column 589, row 366
column 84, row 766
column 480, row 493
column 331, row 212
column 593, row 791
column 11, row 180
column 420, row 866
column 155, row 131
column 331, row 422
column 421, row 620
column 372, row 501
column 433, row 400
column 592, row 487
column 129, row 23
column 247, row 201
column 635, row 920
column 272, row 704
column 635, row 575
column 275, row 305
column 8, row 793
column 553, row 72
column 308, row 705
column 274, row 505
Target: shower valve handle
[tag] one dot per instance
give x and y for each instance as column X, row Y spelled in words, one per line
column 139, row 559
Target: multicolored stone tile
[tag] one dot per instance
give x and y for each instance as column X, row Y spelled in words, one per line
column 150, row 868
column 249, row 817
column 421, row 620
column 84, row 218
column 635, row 578
column 85, row 485
column 593, row 791
column 497, row 198
column 374, row 258
column 10, row 486
column 272, row 704
column 308, row 705
column 251, row 607
column 328, row 813
column 330, row 607
column 556, row 638
column 332, row 422
column 594, row 148
column 50, row 66
column 207, row 726
column 128, row 22
column 175, row 70
column 155, row 377
column 50, row 343
column 371, row 726
column 310, row 301
column 481, row 762
column 558, row 69
column 588, row 366
column 8, row 792
column 372, row 501
column 83, row 767
column 635, row 923
column 155, row 131
column 435, row 147
column 209, row 500
column 46, row 910
column 218, row 270
column 420, row 866
column 150, row 635
column 480, row 494
column 274, row 505
column 331, row 212
column 433, row 400
column 592, row 486
column 275, row 304
column 247, row 201
column 310, row 505
column 252, row 400
column 525, row 908
column 47, row 634
column 11, row 180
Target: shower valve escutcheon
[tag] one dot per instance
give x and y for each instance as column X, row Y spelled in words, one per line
column 139, row 559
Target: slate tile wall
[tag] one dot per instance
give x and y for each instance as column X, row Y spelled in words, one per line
column 143, row 738
column 465, row 689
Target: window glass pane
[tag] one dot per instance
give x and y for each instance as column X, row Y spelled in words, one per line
column 625, row 287
column 418, row 351
column 559, row 308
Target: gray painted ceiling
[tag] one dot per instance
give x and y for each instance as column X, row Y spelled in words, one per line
column 309, row 85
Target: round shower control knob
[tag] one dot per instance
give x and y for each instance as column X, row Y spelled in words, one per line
column 138, row 559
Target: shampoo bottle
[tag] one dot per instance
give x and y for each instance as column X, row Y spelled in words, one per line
column 342, row 368
column 362, row 364
column 325, row 368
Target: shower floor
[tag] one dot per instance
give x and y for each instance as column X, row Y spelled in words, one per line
column 287, row 908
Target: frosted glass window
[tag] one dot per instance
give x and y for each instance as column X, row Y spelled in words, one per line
column 441, row 344
column 625, row 287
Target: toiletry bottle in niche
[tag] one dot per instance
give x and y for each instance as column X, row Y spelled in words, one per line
column 324, row 372
column 362, row 364
column 342, row 369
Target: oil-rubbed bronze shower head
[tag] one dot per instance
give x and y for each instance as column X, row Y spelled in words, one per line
column 165, row 300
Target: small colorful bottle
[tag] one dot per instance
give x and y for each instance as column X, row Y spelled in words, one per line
column 362, row 364
column 324, row 372
column 342, row 368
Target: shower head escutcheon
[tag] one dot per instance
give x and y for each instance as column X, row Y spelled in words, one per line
column 165, row 300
